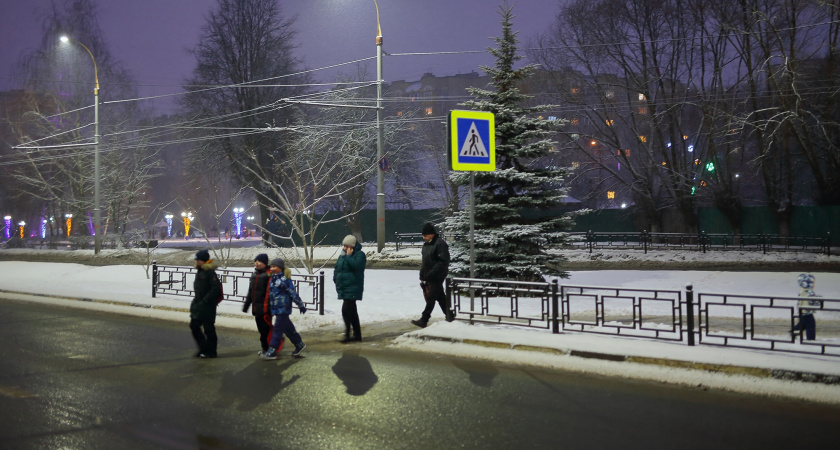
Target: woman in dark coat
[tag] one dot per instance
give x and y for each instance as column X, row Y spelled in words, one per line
column 349, row 279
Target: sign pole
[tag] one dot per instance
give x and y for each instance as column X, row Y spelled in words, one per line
column 472, row 238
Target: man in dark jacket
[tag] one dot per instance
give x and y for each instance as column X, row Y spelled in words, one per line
column 258, row 300
column 207, row 288
column 434, row 267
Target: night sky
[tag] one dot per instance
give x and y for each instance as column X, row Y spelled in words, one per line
column 151, row 37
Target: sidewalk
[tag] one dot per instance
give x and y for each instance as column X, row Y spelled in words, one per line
column 392, row 298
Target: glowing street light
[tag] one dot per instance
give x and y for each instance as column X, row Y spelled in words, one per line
column 237, row 220
column 169, row 225
column 188, row 217
column 69, row 221
column 97, row 239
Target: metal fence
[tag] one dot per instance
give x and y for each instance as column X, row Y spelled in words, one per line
column 726, row 320
column 701, row 242
column 178, row 280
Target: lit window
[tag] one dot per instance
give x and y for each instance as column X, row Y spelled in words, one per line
column 609, row 122
column 575, row 165
column 626, row 152
column 642, row 96
column 610, row 194
column 593, row 142
column 642, row 110
column 575, row 121
column 664, row 163
column 574, row 90
column 399, row 113
column 643, row 138
column 429, row 111
column 609, row 94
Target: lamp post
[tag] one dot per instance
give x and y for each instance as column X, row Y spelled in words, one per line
column 97, row 239
column 188, row 217
column 237, row 221
column 380, row 174
column 169, row 225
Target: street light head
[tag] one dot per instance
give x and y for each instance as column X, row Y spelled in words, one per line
column 64, row 39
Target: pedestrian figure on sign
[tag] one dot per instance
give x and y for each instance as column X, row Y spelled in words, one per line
column 473, row 140
column 807, row 306
column 434, row 267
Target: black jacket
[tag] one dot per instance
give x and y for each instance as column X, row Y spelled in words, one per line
column 207, row 288
column 434, row 265
column 258, row 293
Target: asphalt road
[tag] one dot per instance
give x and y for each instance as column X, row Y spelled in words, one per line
column 73, row 378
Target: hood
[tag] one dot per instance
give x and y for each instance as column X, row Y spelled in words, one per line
column 209, row 265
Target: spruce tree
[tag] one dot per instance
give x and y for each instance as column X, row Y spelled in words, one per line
column 512, row 238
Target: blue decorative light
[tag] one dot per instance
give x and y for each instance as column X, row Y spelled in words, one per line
column 168, row 225
column 8, row 226
column 237, row 220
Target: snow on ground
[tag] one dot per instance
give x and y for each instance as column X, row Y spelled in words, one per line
column 395, row 295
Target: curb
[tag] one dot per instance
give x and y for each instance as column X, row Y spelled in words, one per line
column 779, row 374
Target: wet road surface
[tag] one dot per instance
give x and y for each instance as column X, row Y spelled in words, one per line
column 73, row 378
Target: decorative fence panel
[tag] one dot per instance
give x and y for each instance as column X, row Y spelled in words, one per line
column 728, row 320
column 178, row 280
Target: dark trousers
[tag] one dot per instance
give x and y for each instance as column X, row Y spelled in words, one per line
column 283, row 325
column 434, row 293
column 206, row 340
column 351, row 318
column 265, row 328
column 807, row 323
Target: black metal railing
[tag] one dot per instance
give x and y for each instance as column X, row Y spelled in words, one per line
column 178, row 280
column 404, row 240
column 728, row 320
column 700, row 242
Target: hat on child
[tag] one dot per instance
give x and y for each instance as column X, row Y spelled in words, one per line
column 806, row 281
column 349, row 240
column 202, row 255
column 263, row 258
column 278, row 262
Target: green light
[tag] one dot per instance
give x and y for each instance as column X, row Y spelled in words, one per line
column 710, row 166
column 692, row 189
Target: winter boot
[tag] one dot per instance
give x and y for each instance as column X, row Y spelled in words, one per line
column 348, row 339
column 270, row 354
column 298, row 348
column 420, row 323
column 450, row 316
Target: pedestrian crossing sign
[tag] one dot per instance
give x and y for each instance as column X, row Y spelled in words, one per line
column 472, row 141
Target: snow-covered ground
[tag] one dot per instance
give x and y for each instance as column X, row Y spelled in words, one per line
column 395, row 295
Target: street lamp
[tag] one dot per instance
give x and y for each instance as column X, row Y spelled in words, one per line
column 188, row 217
column 237, row 220
column 169, row 225
column 69, row 222
column 380, row 174
column 97, row 239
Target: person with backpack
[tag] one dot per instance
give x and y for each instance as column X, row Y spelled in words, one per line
column 281, row 295
column 258, row 300
column 208, row 290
